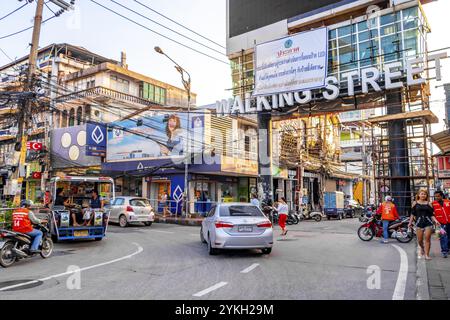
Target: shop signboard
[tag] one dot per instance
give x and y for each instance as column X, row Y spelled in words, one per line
column 443, row 166
column 295, row 63
column 241, row 166
column 159, row 136
column 278, row 172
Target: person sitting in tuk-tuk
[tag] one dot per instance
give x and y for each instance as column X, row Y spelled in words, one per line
column 60, row 200
column 96, row 202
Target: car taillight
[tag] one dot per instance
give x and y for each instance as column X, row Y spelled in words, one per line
column 265, row 225
column 220, row 224
column 130, row 209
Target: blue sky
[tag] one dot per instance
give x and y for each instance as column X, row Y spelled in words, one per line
column 104, row 33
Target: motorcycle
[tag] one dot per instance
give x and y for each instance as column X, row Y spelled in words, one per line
column 307, row 214
column 367, row 213
column 352, row 208
column 292, row 218
column 15, row 246
column 397, row 229
column 270, row 213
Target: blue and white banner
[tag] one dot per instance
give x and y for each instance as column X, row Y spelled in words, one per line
column 294, row 63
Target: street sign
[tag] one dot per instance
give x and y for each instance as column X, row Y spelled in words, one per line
column 35, row 146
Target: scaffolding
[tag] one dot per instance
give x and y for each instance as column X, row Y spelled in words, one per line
column 401, row 143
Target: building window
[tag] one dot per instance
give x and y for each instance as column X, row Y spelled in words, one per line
column 120, row 84
column 72, row 117
column 153, row 93
column 87, row 113
column 79, row 115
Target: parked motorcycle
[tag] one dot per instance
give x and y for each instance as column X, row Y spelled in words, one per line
column 352, row 208
column 397, row 229
column 307, row 214
column 15, row 246
column 292, row 218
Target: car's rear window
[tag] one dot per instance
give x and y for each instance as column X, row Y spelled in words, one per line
column 240, row 211
column 140, row 202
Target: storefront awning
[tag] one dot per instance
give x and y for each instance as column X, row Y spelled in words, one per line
column 442, row 140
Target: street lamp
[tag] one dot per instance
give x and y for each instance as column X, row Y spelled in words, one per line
column 187, row 87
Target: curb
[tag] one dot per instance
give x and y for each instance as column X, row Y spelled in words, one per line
column 180, row 221
column 422, row 290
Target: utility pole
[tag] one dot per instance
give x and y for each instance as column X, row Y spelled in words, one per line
column 364, row 163
column 25, row 113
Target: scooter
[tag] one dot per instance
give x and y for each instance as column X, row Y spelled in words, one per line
column 15, row 246
column 307, row 214
column 292, row 218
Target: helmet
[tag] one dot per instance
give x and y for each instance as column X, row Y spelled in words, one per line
column 26, row 203
column 388, row 198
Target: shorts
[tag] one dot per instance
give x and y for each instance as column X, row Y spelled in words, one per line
column 424, row 223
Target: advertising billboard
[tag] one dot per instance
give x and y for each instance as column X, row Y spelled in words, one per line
column 162, row 135
column 69, row 148
column 295, row 63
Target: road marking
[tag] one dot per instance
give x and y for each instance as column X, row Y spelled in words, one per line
column 162, row 231
column 253, row 266
column 214, row 287
column 139, row 250
column 400, row 286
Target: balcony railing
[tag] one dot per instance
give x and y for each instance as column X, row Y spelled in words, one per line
column 99, row 92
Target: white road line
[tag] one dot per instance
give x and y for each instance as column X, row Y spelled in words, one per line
column 214, row 287
column 400, row 286
column 253, row 266
column 139, row 250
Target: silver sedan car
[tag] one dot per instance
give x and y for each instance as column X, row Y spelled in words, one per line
column 127, row 210
column 236, row 226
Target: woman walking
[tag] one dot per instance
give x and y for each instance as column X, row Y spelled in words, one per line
column 422, row 212
column 283, row 211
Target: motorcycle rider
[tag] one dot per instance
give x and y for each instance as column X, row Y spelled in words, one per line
column 389, row 213
column 441, row 208
column 23, row 220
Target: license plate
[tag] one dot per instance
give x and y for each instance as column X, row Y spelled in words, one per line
column 245, row 229
column 83, row 233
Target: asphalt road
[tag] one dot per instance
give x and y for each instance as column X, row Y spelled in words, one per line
column 324, row 260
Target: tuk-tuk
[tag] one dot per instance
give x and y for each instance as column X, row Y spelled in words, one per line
column 77, row 189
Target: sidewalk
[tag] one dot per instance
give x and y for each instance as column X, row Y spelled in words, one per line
column 438, row 273
column 179, row 220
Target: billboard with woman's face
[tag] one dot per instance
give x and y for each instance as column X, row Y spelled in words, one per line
column 153, row 136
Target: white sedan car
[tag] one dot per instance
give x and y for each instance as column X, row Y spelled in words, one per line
column 127, row 210
column 236, row 226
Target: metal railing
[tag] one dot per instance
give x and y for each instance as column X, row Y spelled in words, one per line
column 106, row 92
column 172, row 208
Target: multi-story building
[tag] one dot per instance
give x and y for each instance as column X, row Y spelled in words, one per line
column 360, row 34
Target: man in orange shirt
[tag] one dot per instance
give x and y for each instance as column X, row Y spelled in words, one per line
column 389, row 213
column 441, row 208
column 23, row 220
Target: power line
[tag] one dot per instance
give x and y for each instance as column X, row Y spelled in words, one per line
column 179, row 24
column 26, row 2
column 174, row 31
column 23, row 30
column 159, row 34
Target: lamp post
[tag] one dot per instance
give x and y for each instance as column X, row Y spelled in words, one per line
column 187, row 87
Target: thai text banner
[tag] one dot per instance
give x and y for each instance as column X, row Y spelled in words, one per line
column 294, row 63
